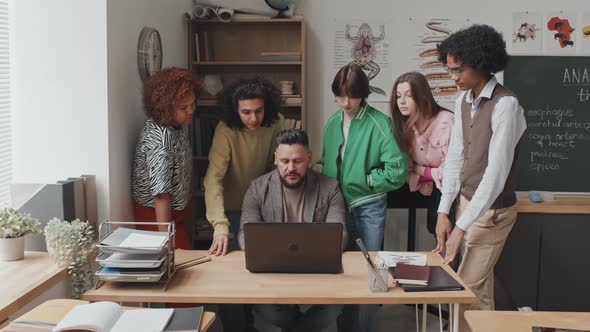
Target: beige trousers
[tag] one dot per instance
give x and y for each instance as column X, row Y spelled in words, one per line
column 480, row 250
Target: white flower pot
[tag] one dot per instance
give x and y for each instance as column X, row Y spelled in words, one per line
column 12, row 249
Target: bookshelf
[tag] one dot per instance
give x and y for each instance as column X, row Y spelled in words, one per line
column 242, row 48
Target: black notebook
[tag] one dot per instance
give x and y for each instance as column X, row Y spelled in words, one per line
column 185, row 319
column 438, row 280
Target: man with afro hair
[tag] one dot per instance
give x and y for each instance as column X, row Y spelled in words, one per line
column 480, row 169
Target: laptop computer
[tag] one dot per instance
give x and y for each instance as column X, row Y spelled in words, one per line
column 293, row 247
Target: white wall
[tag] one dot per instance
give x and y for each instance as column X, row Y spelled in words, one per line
column 125, row 117
column 60, row 124
column 77, row 106
column 319, row 16
column 77, row 92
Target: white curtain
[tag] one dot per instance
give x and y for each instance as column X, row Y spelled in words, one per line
column 5, row 103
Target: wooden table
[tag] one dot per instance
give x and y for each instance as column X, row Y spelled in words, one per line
column 523, row 321
column 24, row 280
column 206, row 321
column 226, row 280
column 568, row 204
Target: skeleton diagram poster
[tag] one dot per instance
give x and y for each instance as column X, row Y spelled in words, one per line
column 367, row 44
column 527, row 33
column 427, row 33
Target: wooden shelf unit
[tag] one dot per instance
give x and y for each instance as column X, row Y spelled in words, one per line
column 247, row 63
column 233, row 51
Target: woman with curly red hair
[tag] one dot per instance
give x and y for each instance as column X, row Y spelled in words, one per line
column 162, row 168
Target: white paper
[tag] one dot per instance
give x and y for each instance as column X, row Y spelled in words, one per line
column 560, row 33
column 367, row 44
column 527, row 33
column 146, row 320
column 119, row 256
column 584, row 33
column 99, row 317
column 391, row 258
column 136, row 240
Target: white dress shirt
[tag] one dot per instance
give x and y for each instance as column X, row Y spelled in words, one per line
column 345, row 129
column 508, row 125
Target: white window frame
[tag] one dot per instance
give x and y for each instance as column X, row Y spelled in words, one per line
column 6, row 144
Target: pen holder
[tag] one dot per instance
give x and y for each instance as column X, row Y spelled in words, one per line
column 375, row 286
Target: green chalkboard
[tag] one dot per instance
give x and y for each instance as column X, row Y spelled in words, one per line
column 555, row 95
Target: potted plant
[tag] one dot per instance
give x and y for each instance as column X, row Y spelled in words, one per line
column 14, row 225
column 71, row 244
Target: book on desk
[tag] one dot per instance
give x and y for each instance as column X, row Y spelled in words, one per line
column 438, row 280
column 408, row 274
column 63, row 315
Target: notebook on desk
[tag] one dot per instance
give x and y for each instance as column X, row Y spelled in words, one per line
column 438, row 280
column 293, row 247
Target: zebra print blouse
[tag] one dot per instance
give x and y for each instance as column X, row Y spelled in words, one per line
column 163, row 164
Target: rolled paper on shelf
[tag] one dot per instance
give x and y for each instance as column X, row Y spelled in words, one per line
column 211, row 12
column 199, row 11
column 225, row 14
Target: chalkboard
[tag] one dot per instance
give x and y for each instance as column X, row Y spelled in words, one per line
column 555, row 95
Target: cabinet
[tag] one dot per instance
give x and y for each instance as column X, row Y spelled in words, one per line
column 243, row 48
column 544, row 263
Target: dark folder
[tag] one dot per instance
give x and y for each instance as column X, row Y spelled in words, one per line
column 185, row 319
column 438, row 280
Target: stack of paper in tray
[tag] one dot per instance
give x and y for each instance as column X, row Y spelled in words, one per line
column 133, row 255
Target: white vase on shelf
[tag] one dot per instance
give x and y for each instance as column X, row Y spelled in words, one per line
column 12, row 249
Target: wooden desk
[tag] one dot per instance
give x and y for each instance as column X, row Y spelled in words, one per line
column 206, row 321
column 22, row 281
column 523, row 321
column 563, row 204
column 226, row 280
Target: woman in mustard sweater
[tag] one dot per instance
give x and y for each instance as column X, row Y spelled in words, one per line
column 242, row 149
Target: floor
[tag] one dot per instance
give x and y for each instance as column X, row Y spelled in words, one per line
column 398, row 318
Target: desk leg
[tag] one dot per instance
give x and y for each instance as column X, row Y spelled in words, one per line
column 412, row 229
column 454, row 317
column 424, row 318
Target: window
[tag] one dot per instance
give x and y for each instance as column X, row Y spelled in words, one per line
column 5, row 102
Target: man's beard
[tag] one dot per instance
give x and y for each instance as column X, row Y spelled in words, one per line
column 292, row 185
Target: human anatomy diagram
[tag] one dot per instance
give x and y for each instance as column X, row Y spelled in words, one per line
column 434, row 69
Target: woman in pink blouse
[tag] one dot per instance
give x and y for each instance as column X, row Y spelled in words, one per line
column 422, row 129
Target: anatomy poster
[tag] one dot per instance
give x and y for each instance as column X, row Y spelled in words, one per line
column 560, row 31
column 427, row 33
column 366, row 43
column 527, row 33
column 584, row 33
